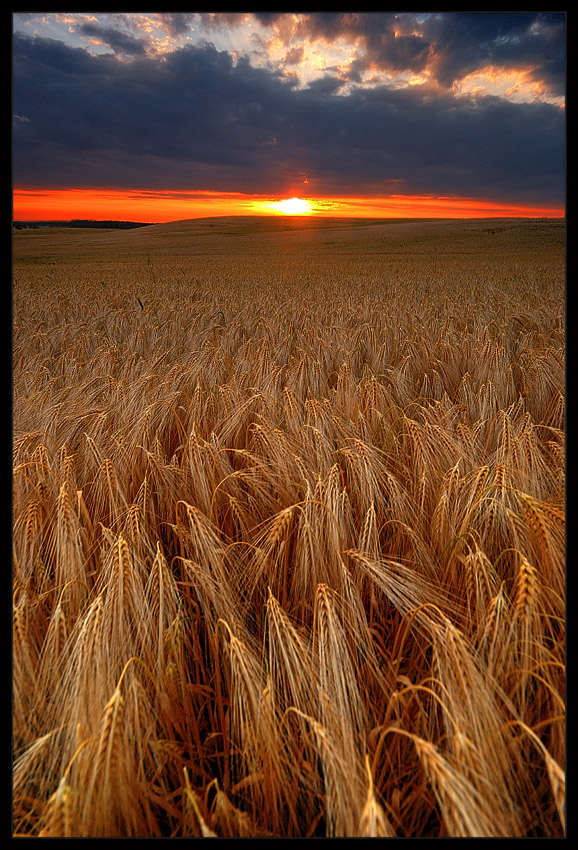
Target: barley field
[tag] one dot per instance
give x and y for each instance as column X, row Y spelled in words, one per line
column 288, row 529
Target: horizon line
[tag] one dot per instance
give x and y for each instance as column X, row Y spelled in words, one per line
column 161, row 206
column 291, row 216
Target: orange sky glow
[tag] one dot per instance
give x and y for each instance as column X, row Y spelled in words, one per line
column 157, row 207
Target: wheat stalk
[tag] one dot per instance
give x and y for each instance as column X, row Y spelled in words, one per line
column 321, row 499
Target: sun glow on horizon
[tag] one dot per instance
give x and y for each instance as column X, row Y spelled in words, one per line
column 160, row 206
column 291, row 206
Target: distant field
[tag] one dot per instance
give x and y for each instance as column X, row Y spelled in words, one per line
column 289, row 547
column 321, row 236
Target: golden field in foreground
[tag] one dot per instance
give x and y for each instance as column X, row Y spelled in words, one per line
column 289, row 529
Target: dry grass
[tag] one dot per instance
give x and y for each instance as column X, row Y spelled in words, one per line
column 289, row 549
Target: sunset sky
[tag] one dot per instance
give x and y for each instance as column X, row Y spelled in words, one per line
column 160, row 117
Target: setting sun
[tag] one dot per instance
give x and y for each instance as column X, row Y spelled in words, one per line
column 292, row 206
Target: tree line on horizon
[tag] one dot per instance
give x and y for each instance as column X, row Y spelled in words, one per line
column 81, row 222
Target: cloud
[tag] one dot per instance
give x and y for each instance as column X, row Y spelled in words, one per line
column 195, row 118
column 294, row 56
column 389, row 41
column 118, row 41
column 465, row 42
column 176, row 23
column 449, row 45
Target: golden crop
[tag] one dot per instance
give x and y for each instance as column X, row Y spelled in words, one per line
column 289, row 529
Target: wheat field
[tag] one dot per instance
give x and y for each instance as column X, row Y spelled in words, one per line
column 288, row 529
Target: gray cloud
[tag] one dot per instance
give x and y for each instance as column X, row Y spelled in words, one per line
column 118, row 41
column 194, row 119
column 176, row 23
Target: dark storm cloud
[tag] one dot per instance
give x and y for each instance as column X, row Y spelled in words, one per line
column 481, row 148
column 195, row 119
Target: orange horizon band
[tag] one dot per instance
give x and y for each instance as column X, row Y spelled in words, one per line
column 164, row 206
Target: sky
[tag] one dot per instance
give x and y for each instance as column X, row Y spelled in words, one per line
column 158, row 116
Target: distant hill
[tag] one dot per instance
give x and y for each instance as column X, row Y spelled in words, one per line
column 82, row 222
